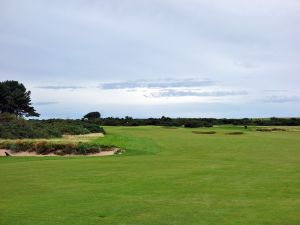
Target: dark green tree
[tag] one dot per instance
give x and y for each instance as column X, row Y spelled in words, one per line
column 15, row 99
column 92, row 116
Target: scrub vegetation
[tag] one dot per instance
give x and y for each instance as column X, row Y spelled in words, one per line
column 13, row 127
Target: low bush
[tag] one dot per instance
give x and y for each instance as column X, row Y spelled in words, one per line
column 45, row 147
column 93, row 128
column 21, row 146
column 41, row 147
column 87, row 148
column 13, row 127
column 6, row 145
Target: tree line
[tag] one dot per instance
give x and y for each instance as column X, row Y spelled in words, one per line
column 197, row 122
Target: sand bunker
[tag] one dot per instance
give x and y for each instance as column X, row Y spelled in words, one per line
column 106, row 152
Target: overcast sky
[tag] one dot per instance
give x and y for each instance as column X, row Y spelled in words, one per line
column 178, row 58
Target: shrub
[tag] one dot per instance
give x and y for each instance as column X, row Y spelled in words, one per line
column 6, row 144
column 93, row 128
column 87, row 148
column 12, row 127
column 7, row 117
column 81, row 149
column 68, row 148
column 22, row 146
column 44, row 147
column 192, row 124
column 41, row 147
column 15, row 127
column 18, row 145
column 195, row 124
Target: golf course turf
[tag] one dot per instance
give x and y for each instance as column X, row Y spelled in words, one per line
column 165, row 176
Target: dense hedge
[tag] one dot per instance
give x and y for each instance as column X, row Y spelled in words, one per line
column 12, row 127
column 198, row 122
column 70, row 126
column 195, row 123
column 45, row 147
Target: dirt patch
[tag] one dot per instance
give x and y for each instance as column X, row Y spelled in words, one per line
column 105, row 152
column 204, row 132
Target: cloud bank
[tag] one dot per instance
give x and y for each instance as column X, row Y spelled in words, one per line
column 88, row 55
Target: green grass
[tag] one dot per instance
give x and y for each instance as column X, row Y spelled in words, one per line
column 166, row 176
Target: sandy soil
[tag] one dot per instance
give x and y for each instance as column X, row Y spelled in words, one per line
column 82, row 136
column 103, row 153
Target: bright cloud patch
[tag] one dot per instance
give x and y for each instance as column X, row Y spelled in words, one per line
column 281, row 99
column 187, row 93
column 157, row 84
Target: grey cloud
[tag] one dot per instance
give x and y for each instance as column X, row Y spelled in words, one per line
column 176, row 93
column 275, row 90
column 281, row 99
column 45, row 103
column 54, row 87
column 157, row 84
column 247, row 65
